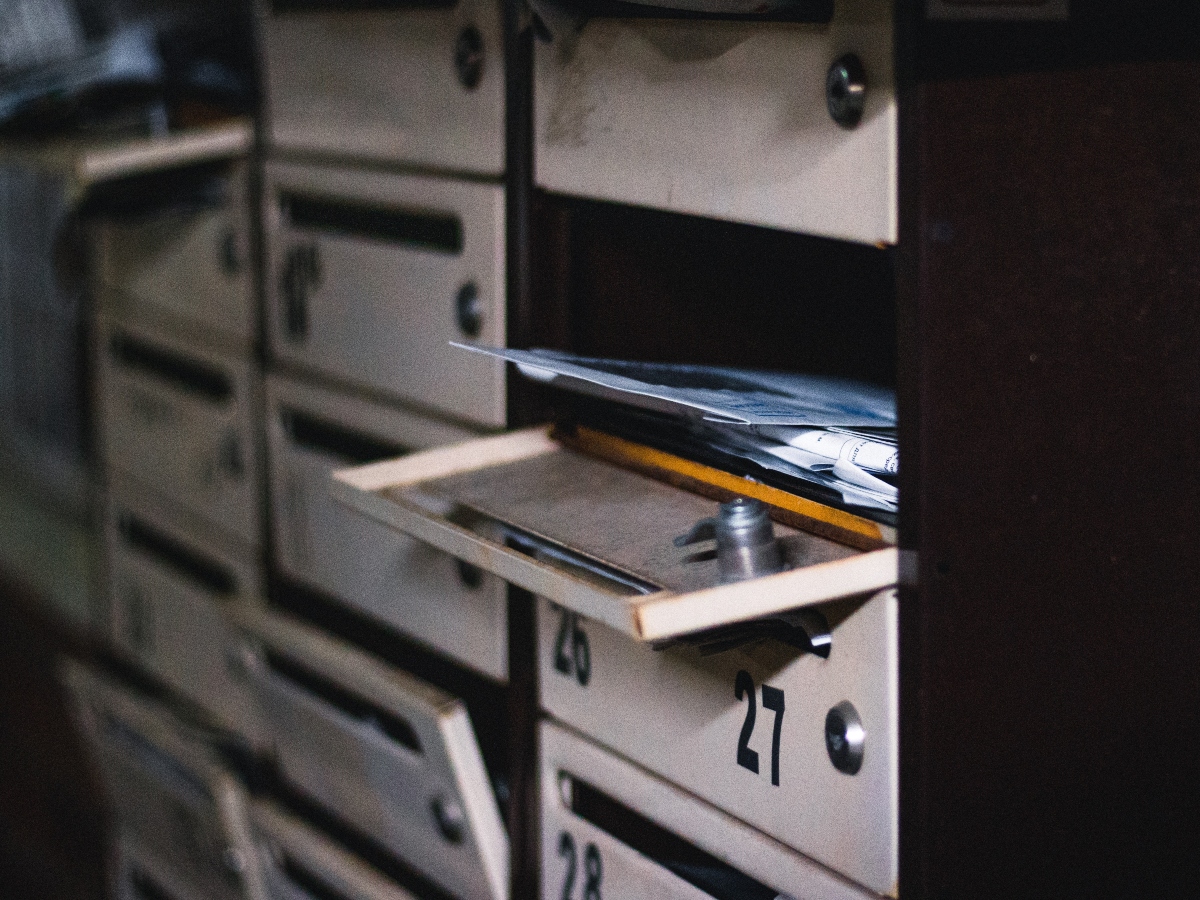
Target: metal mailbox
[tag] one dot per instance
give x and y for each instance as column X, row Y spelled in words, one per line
column 181, row 420
column 171, row 582
column 184, row 262
column 300, row 863
column 371, row 275
column 753, row 730
column 408, row 585
column 611, row 829
column 732, row 120
column 182, row 811
column 401, row 82
column 387, row 753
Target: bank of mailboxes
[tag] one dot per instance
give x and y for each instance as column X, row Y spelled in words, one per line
column 179, row 815
column 414, row 83
column 299, row 862
column 388, row 754
column 732, row 119
column 799, row 746
column 404, row 583
column 182, row 258
column 172, row 582
column 181, row 420
column 371, row 275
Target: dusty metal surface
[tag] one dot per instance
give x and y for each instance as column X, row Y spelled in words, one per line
column 623, row 519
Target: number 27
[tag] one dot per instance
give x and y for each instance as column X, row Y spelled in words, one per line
column 743, row 686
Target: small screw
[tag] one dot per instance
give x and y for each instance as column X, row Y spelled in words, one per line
column 468, row 57
column 468, row 309
column 449, row 818
column 844, row 738
column 566, row 789
column 846, row 91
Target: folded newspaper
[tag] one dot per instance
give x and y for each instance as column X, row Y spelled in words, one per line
column 834, row 434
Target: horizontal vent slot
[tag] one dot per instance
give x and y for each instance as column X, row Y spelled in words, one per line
column 146, row 888
column 156, row 761
column 428, row 230
column 347, row 702
column 180, row 371
column 702, row 870
column 211, row 576
column 346, row 444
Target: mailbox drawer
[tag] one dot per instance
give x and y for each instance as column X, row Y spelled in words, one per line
column 384, row 84
column 611, row 829
column 371, row 275
column 185, row 264
column 182, row 421
column 185, row 815
column 298, row 862
column 388, row 754
column 319, row 542
column 745, row 729
column 730, row 120
column 171, row 582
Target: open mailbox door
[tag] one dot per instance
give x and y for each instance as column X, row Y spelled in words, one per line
column 595, row 538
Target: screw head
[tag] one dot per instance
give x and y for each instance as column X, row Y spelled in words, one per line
column 844, row 738
column 468, row 309
column 451, row 821
column 846, row 90
column 469, row 57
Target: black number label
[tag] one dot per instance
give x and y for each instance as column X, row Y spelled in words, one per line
column 572, row 653
column 593, row 870
column 566, row 849
column 772, row 699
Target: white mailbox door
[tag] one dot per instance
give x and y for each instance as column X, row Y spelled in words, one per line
column 370, row 276
column 183, row 266
column 729, row 120
column 407, row 584
column 745, row 729
column 300, row 863
column 384, row 85
column 182, row 421
column 611, row 829
column 389, row 754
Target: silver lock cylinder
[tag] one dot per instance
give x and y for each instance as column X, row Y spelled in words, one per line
column 746, row 544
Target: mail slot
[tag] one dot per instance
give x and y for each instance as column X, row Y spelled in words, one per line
column 611, row 829
column 299, row 862
column 749, row 728
column 415, row 81
column 732, row 120
column 172, row 800
column 174, row 248
column 385, row 752
column 182, row 420
column 171, row 583
column 426, row 594
column 371, row 275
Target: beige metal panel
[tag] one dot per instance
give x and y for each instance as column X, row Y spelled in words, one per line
column 171, row 798
column 171, row 583
column 681, row 715
column 382, row 85
column 365, row 564
column 389, row 754
column 723, row 119
column 408, row 495
column 285, row 844
column 183, row 268
column 567, row 759
column 162, row 427
column 380, row 313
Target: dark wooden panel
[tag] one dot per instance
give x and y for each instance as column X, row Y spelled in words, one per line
column 1051, row 235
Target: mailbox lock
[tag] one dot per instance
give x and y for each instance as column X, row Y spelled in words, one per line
column 844, row 738
column 468, row 57
column 468, row 309
column 449, row 818
column 746, row 544
column 846, row 90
